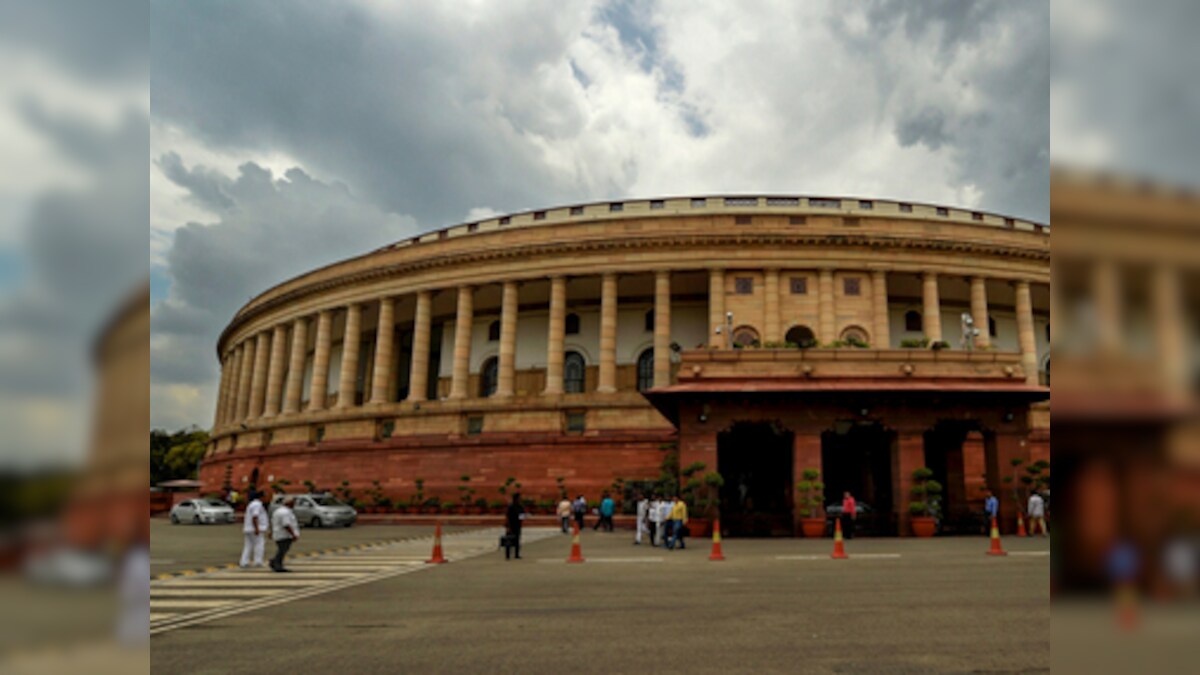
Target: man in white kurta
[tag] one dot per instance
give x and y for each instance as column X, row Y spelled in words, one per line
column 284, row 530
column 254, row 531
column 643, row 507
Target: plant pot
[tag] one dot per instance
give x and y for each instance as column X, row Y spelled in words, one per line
column 923, row 526
column 813, row 528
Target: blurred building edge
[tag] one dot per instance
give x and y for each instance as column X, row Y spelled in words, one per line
column 1125, row 306
column 108, row 509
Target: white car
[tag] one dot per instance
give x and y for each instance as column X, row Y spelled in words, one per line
column 318, row 510
column 198, row 511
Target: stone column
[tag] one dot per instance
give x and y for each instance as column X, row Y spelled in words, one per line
column 931, row 317
column 771, row 330
column 418, row 369
column 1106, row 289
column 235, row 386
column 1025, row 336
column 275, row 371
column 662, row 329
column 462, row 342
column 908, row 455
column 716, row 309
column 222, row 391
column 319, row 387
column 826, row 323
column 1169, row 328
column 608, row 334
column 554, row 338
column 979, row 311
column 806, row 454
column 507, row 363
column 258, row 381
column 295, row 378
column 385, row 339
column 350, row 347
column 247, row 369
column 879, row 299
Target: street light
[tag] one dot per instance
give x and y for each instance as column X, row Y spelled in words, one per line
column 969, row 331
column 728, row 330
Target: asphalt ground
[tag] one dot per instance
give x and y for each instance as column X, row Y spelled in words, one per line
column 782, row 605
column 175, row 548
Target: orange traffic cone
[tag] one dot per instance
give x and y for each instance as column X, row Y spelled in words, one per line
column 576, row 550
column 716, row 554
column 1021, row 526
column 1127, row 607
column 839, row 545
column 995, row 549
column 437, row 557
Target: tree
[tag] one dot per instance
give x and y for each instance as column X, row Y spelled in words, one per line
column 184, row 450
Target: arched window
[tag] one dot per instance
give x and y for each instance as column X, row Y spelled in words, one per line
column 645, row 370
column 912, row 321
column 649, row 325
column 801, row 336
column 493, row 331
column 745, row 336
column 573, row 373
column 855, row 336
column 572, row 324
column 489, row 376
column 991, row 327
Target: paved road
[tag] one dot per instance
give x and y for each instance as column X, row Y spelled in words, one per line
column 774, row 606
column 193, row 547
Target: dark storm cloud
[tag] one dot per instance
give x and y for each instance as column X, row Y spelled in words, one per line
column 397, row 108
column 270, row 230
column 103, row 41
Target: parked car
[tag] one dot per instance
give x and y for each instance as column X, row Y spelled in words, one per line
column 318, row 510
column 866, row 521
column 198, row 511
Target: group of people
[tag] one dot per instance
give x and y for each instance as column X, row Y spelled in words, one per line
column 1035, row 511
column 660, row 518
column 256, row 523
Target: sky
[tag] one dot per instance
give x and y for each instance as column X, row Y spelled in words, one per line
column 284, row 136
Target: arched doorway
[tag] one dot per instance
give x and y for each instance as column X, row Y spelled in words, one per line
column 755, row 459
column 645, row 370
column 801, row 336
column 574, row 370
column 856, row 455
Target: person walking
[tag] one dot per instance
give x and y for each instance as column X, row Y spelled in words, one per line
column 579, row 507
column 607, row 508
column 643, row 515
column 254, row 530
column 564, row 514
column 991, row 509
column 512, row 527
column 664, row 520
column 679, row 517
column 849, row 514
column 654, row 519
column 1036, row 512
column 285, row 531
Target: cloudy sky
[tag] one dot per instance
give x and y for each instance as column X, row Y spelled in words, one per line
column 288, row 135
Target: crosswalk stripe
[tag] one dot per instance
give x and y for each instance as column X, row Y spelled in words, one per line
column 160, row 616
column 188, row 604
column 287, row 582
column 212, row 592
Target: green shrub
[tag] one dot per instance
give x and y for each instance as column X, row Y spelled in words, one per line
column 811, row 493
column 914, row 343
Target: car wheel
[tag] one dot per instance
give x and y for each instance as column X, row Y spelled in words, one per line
column 316, row 522
column 174, row 519
column 196, row 519
column 347, row 524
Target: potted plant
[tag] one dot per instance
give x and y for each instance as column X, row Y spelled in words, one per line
column 497, row 506
column 810, row 502
column 562, row 487
column 926, row 493
column 465, row 493
column 431, row 505
column 417, row 501
column 479, row 506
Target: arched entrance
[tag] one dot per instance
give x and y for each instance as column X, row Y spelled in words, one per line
column 755, row 459
column 857, row 456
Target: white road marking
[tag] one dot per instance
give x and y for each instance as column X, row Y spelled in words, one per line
column 852, row 556
column 1030, row 553
column 604, row 560
column 184, row 603
column 217, row 592
column 160, row 616
column 309, row 583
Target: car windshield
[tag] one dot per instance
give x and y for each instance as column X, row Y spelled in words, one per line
column 212, row 502
column 326, row 500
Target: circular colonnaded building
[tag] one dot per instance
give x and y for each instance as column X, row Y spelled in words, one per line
column 759, row 335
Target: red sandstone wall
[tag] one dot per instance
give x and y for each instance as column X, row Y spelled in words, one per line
column 588, row 463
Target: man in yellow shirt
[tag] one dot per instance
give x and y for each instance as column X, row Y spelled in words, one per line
column 679, row 516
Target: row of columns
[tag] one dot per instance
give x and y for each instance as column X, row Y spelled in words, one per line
column 253, row 384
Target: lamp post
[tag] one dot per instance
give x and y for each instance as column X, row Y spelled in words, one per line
column 728, row 330
column 969, row 331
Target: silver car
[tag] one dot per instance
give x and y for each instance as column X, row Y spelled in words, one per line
column 319, row 510
column 198, row 511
